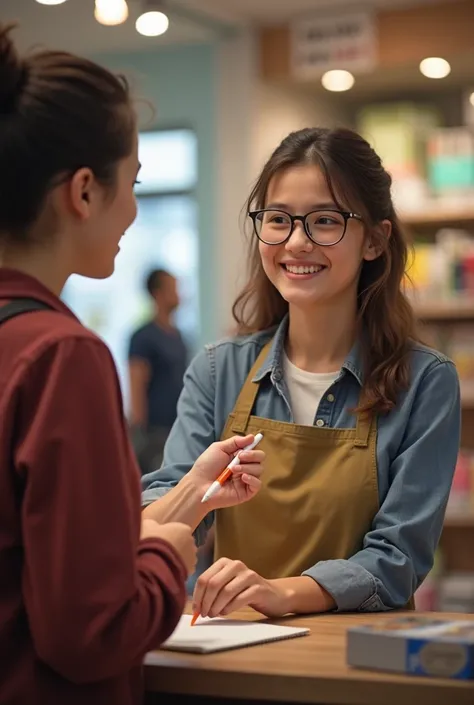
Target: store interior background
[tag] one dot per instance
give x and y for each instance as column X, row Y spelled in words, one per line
column 217, row 92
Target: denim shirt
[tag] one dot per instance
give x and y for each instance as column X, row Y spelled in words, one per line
column 417, row 448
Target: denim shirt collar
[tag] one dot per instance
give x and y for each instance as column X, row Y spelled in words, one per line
column 273, row 366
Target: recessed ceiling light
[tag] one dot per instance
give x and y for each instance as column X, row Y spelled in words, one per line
column 50, row 2
column 471, row 99
column 152, row 24
column 338, row 80
column 435, row 67
column 111, row 12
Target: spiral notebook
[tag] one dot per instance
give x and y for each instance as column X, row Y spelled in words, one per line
column 211, row 635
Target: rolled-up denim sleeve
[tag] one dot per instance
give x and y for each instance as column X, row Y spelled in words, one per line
column 192, row 432
column 398, row 552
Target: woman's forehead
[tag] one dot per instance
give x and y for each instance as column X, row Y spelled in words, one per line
column 308, row 185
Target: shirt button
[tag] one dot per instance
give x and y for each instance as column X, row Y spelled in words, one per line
column 319, row 423
column 330, row 397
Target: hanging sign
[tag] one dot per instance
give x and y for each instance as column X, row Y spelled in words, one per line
column 320, row 42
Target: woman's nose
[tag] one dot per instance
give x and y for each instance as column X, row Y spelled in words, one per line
column 299, row 240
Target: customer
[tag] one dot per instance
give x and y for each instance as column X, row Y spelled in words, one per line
column 87, row 586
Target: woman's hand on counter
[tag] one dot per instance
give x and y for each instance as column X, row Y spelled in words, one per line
column 229, row 585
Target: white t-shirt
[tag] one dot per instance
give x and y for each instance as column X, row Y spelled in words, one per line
column 306, row 390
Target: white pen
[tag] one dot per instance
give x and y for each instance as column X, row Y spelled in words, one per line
column 225, row 474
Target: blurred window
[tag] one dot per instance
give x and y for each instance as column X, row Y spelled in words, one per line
column 164, row 235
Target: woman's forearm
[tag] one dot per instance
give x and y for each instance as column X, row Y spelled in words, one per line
column 182, row 503
column 303, row 595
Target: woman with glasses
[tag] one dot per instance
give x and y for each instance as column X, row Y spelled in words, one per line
column 360, row 422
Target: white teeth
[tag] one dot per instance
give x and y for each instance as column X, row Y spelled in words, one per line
column 311, row 269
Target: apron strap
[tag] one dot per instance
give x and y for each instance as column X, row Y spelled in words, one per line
column 246, row 399
column 363, row 428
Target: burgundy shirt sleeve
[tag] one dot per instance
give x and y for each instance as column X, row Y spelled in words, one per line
column 97, row 598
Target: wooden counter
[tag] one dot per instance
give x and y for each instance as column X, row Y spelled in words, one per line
column 310, row 669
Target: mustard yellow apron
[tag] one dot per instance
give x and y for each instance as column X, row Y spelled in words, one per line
column 319, row 494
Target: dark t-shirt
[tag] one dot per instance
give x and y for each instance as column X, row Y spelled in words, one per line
column 166, row 354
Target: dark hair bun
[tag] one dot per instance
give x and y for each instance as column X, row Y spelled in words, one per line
column 58, row 112
column 13, row 71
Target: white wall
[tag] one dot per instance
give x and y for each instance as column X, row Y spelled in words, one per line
column 252, row 118
column 236, row 113
column 281, row 109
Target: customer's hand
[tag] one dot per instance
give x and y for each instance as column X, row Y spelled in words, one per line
column 245, row 481
column 177, row 535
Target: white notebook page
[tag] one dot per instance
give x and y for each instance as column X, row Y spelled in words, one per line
column 210, row 635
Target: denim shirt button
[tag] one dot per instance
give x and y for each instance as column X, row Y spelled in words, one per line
column 320, row 423
column 277, row 376
column 330, row 397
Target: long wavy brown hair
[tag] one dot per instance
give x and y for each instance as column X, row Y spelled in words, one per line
column 355, row 177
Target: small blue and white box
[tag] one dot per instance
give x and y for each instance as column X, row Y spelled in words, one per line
column 417, row 645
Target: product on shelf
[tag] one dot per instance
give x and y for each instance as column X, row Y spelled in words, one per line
column 461, row 498
column 451, row 160
column 442, row 270
column 461, row 350
column 426, row 597
column 398, row 132
column 456, row 593
column 452, row 592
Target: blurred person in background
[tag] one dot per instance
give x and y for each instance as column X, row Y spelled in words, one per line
column 157, row 362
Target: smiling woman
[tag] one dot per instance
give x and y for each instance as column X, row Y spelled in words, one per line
column 360, row 422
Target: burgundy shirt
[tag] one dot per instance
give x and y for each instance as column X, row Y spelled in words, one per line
column 82, row 599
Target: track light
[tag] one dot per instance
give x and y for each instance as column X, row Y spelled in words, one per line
column 337, row 80
column 111, row 12
column 435, row 67
column 153, row 21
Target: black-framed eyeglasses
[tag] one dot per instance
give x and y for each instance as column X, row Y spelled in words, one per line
column 323, row 227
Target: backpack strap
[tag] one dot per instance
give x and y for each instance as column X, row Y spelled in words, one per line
column 20, row 306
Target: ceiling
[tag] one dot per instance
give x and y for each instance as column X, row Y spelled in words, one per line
column 272, row 11
column 72, row 25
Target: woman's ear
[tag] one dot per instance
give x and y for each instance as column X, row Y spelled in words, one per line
column 376, row 241
column 80, row 189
